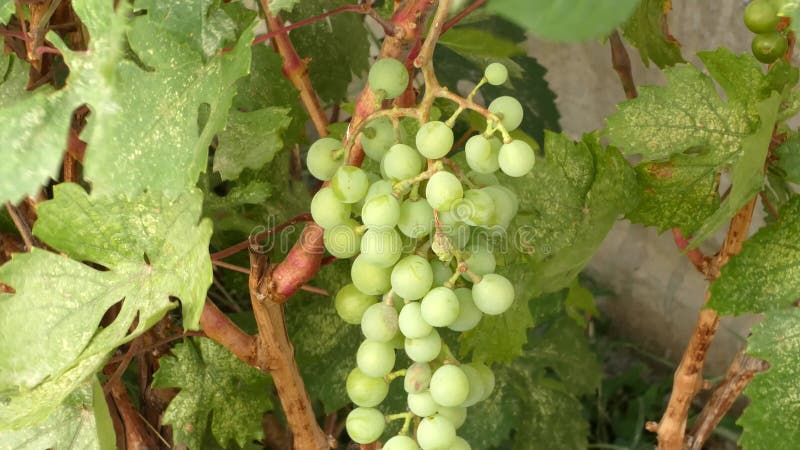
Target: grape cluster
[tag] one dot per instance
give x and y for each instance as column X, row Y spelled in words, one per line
column 419, row 265
column 761, row 17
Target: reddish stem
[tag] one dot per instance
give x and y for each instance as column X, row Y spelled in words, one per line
column 260, row 236
column 697, row 257
column 457, row 18
column 219, row 327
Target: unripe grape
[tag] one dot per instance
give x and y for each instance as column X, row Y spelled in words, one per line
column 364, row 390
column 458, row 232
column 343, row 241
column 389, row 76
column 416, row 218
column 488, row 378
column 509, row 110
column 365, row 425
column 477, row 386
column 476, row 208
column 449, row 385
column 424, row 349
column 441, row 272
column 485, row 179
column 443, row 190
column 377, row 137
column 761, row 17
column 418, row 378
column 381, row 211
column 326, row 209
column 767, row 48
column 516, row 158
column 434, row 140
column 321, row 159
column 482, row 155
column 378, row 188
column 401, row 162
column 435, row 433
column 480, row 261
column 411, row 323
column 379, row 322
column 375, row 359
column 422, row 404
column 412, row 277
column 506, row 205
column 496, row 74
column 398, row 341
column 400, row 442
column 350, row 304
column 370, row 278
column 350, row 184
column 493, row 295
column 440, row 307
column 457, row 415
column 460, row 444
column 381, row 246
column 468, row 314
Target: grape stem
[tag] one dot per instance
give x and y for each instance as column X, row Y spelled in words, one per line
column 395, row 374
column 404, row 416
column 401, row 186
column 459, row 173
column 406, row 424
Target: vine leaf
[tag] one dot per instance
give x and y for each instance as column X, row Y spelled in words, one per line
column 788, row 155
column 769, row 421
column 6, row 11
column 139, row 252
column 647, row 31
column 14, row 78
column 473, row 41
column 215, row 387
column 250, row 140
column 81, row 422
column 279, row 6
column 566, row 20
column 766, row 275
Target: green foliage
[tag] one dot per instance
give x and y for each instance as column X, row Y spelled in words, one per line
column 769, row 419
column 788, row 155
column 215, row 387
column 250, row 140
column 764, row 276
column 566, row 20
column 646, row 30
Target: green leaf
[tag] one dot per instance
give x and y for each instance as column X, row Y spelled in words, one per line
column 566, row 20
column 490, row 422
column 788, row 155
column 479, row 42
column 250, row 140
column 147, row 249
column 769, row 421
column 6, row 11
column 279, row 6
column 14, row 79
column 766, row 274
column 215, row 387
column 647, row 31
column 81, row 422
column 338, row 47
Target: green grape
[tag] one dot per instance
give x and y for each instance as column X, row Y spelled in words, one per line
column 435, row 433
column 365, row 391
column 476, row 208
column 412, row 277
column 327, row 211
column 767, row 48
column 488, row 379
column 343, row 241
column 485, row 179
column 389, row 77
column 458, row 232
column 482, row 155
column 509, row 110
column 434, row 140
column 422, row 404
column 365, row 425
column 476, row 385
column 401, row 162
column 379, row 322
column 449, row 385
column 761, row 17
column 400, row 442
column 350, row 304
column 493, row 295
column 377, row 188
column 377, row 137
column 480, row 261
column 496, row 74
column 381, row 211
column 381, row 246
column 350, row 184
column 323, row 158
column 443, row 190
column 416, row 218
column 370, row 278
column 424, row 349
column 398, row 341
column 418, row 378
column 516, row 158
column 460, row 444
column 359, row 205
column 411, row 323
column 375, row 359
column 506, row 205
column 468, row 314
column 441, row 272
column 457, row 415
column 440, row 307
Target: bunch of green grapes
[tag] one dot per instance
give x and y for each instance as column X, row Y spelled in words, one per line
column 415, row 269
column 761, row 17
